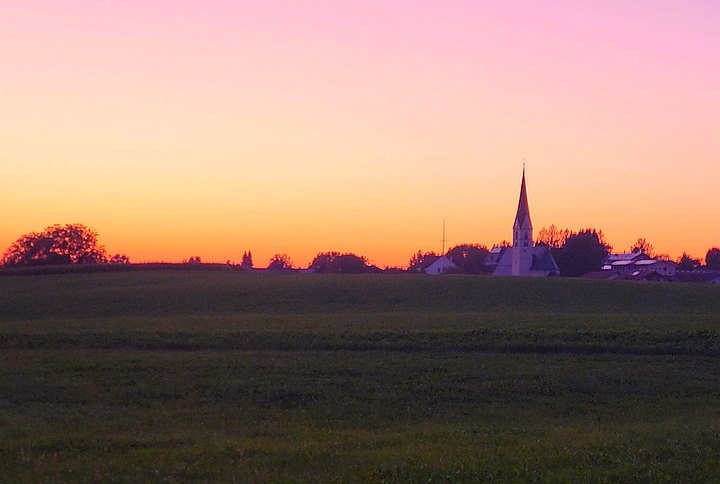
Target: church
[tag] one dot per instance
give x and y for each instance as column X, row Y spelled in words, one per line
column 523, row 258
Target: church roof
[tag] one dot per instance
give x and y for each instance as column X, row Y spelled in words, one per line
column 523, row 211
column 543, row 260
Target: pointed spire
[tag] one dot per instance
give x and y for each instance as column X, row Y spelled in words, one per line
column 523, row 211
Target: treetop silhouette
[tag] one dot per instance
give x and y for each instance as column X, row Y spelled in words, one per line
column 56, row 245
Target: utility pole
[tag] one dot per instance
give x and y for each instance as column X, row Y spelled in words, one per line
column 443, row 239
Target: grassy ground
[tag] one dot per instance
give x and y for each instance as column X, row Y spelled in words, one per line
column 172, row 376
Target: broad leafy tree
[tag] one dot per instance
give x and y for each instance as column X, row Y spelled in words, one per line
column 337, row 263
column 688, row 263
column 583, row 252
column 712, row 258
column 417, row 261
column 644, row 247
column 323, row 262
column 58, row 244
column 280, row 262
column 553, row 237
column 119, row 259
column 470, row 258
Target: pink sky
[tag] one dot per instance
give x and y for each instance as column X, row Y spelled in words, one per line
column 182, row 128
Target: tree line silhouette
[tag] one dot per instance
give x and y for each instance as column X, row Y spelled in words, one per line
column 59, row 245
column 575, row 253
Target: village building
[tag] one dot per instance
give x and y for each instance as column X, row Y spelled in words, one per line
column 440, row 265
column 637, row 266
column 664, row 268
column 523, row 258
column 623, row 258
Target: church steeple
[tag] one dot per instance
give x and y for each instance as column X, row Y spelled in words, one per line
column 522, row 229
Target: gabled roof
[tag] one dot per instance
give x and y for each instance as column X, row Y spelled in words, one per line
column 522, row 219
column 653, row 262
column 440, row 265
column 543, row 259
column 626, row 256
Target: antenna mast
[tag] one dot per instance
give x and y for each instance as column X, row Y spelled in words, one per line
column 443, row 239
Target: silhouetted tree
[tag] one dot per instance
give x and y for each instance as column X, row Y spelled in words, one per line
column 644, row 247
column 393, row 270
column 119, row 259
column 421, row 259
column 712, row 258
column 687, row 263
column 583, row 252
column 193, row 260
column 350, row 263
column 553, row 237
column 470, row 258
column 337, row 263
column 68, row 244
column 247, row 261
column 504, row 243
column 280, row 262
column 323, row 261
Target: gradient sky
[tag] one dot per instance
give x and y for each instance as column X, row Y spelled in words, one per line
column 181, row 128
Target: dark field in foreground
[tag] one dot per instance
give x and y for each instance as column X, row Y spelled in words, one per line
column 192, row 376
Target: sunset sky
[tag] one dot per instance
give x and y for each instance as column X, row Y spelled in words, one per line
column 182, row 128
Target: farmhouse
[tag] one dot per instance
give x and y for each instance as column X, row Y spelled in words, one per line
column 635, row 266
column 523, row 258
column 663, row 267
column 440, row 265
column 623, row 258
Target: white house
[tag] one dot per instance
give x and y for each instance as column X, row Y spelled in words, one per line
column 623, row 258
column 440, row 265
column 628, row 266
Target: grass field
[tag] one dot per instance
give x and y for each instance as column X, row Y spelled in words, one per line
column 176, row 376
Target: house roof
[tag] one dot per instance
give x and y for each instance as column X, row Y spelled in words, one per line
column 542, row 260
column 626, row 256
column 650, row 262
column 439, row 265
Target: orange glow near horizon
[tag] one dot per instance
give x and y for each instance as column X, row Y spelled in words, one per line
column 293, row 127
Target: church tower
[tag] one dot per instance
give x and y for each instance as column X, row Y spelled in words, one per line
column 523, row 258
column 522, row 253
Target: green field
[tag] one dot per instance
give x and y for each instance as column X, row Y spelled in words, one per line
column 177, row 376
